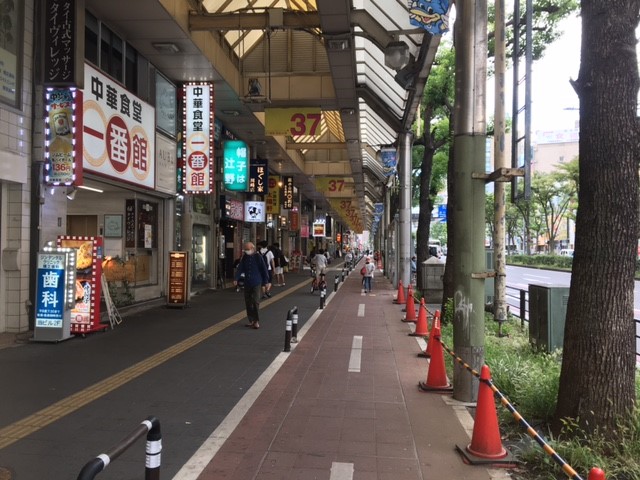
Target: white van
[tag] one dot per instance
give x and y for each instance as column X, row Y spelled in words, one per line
column 566, row 252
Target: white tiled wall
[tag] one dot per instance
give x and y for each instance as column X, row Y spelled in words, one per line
column 16, row 143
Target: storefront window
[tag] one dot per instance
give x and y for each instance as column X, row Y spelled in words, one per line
column 201, row 247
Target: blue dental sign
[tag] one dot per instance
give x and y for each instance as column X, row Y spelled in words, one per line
column 50, row 301
column 236, row 166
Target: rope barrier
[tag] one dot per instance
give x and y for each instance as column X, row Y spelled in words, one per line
column 566, row 468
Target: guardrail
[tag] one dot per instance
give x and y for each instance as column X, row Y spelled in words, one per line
column 518, row 304
column 150, row 426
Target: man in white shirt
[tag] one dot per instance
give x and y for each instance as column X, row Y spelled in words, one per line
column 321, row 263
column 269, row 260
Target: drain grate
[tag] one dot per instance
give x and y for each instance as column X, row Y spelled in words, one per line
column 5, row 474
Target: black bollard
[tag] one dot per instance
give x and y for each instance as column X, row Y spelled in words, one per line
column 294, row 325
column 342, row 275
column 336, row 281
column 287, row 332
column 323, row 294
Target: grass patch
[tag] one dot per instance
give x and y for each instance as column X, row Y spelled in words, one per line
column 529, row 379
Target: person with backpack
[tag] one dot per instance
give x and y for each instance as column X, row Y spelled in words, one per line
column 267, row 255
column 279, row 260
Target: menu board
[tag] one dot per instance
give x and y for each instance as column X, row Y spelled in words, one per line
column 85, row 315
column 130, row 223
column 178, row 275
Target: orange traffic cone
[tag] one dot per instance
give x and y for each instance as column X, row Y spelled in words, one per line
column 432, row 336
column 437, row 380
column 400, row 298
column 486, row 445
column 596, row 474
column 422, row 327
column 411, row 307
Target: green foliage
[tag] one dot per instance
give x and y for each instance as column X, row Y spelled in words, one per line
column 557, row 261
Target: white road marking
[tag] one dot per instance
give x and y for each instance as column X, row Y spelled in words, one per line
column 341, row 471
column 361, row 310
column 356, row 354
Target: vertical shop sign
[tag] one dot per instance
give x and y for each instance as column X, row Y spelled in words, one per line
column 236, row 166
column 147, row 224
column 118, row 131
column 130, row 223
column 294, row 219
column 259, row 176
column 63, row 43
column 198, row 138
column 273, row 197
column 63, row 143
column 287, row 193
column 178, row 275
column 304, row 226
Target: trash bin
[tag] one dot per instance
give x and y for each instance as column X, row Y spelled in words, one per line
column 432, row 273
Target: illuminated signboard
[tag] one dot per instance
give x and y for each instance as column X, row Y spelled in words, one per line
column 254, row 212
column 259, row 176
column 62, row 143
column 198, row 138
column 273, row 197
column 287, row 193
column 236, row 166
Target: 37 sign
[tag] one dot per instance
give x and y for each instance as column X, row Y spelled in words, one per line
column 293, row 121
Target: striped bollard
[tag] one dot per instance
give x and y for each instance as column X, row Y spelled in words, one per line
column 294, row 325
column 153, row 449
column 342, row 276
column 336, row 281
column 323, row 294
column 287, row 332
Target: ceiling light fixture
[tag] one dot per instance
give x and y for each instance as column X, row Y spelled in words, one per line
column 91, row 189
column 71, row 194
column 166, row 47
column 396, row 55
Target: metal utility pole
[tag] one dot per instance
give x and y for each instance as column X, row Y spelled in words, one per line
column 469, row 264
column 404, row 223
column 500, row 161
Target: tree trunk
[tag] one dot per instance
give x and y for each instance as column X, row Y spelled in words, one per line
column 426, row 206
column 598, row 368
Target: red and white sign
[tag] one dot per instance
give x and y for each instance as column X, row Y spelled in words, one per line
column 198, row 137
column 118, row 131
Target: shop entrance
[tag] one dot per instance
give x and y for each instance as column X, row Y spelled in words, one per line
column 82, row 225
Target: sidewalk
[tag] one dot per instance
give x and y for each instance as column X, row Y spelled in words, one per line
column 346, row 404
column 343, row 404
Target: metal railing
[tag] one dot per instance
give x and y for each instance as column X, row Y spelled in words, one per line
column 518, row 304
column 150, row 427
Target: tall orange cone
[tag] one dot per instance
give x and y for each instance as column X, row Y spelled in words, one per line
column 411, row 307
column 432, row 336
column 400, row 298
column 486, row 445
column 437, row 380
column 422, row 327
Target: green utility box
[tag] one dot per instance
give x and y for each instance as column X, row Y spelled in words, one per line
column 547, row 313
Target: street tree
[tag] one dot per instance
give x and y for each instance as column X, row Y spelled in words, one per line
column 597, row 379
column 553, row 195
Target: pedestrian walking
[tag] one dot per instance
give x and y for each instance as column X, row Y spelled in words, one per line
column 269, row 261
column 368, row 275
column 279, row 260
column 256, row 277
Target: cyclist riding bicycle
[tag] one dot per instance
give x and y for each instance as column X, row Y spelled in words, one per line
column 318, row 266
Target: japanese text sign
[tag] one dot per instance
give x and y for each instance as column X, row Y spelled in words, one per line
column 52, row 277
column 273, row 197
column 118, row 132
column 198, row 137
column 259, row 176
column 63, row 44
column 287, row 192
column 236, row 165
